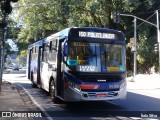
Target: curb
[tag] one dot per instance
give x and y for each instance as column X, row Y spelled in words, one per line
column 47, row 117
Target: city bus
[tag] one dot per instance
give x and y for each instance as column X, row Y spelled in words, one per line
column 80, row 64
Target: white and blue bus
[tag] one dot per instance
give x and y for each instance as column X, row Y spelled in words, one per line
column 80, row 64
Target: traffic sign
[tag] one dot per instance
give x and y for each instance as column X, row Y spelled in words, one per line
column 131, row 42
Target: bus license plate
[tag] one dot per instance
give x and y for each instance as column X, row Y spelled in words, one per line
column 101, row 95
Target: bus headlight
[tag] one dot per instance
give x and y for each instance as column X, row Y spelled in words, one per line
column 123, row 84
column 77, row 87
column 74, row 86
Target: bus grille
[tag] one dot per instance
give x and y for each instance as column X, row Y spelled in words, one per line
column 91, row 95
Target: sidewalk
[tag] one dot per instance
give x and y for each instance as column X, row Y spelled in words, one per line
column 10, row 101
column 144, row 81
column 145, row 84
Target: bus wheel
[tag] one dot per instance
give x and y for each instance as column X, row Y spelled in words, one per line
column 33, row 84
column 52, row 92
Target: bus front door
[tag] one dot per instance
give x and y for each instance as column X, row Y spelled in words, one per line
column 59, row 71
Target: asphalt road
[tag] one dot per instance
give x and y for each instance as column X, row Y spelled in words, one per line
column 135, row 106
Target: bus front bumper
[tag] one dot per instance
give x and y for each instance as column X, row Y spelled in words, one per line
column 74, row 95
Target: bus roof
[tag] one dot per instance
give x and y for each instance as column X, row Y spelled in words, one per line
column 65, row 33
column 61, row 34
column 38, row 43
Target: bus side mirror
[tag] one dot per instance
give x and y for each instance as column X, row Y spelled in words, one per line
column 65, row 52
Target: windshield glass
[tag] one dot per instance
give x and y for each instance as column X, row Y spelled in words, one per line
column 96, row 57
column 85, row 56
column 113, row 58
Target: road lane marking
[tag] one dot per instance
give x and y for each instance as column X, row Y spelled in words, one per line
column 38, row 105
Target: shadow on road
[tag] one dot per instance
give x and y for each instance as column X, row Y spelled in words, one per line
column 134, row 105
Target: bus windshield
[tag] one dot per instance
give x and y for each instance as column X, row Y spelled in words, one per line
column 113, row 57
column 95, row 57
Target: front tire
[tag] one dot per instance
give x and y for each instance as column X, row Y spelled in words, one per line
column 52, row 92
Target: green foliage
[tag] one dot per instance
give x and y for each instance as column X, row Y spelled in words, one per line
column 54, row 15
column 23, row 53
column 146, row 56
column 7, row 49
column 22, row 58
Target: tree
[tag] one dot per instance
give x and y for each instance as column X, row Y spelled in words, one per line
column 54, row 15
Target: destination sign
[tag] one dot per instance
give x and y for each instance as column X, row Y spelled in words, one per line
column 96, row 35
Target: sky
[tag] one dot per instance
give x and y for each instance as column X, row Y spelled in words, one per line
column 12, row 45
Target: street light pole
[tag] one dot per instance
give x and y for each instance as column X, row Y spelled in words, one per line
column 158, row 37
column 2, row 49
column 135, row 47
column 158, row 32
column 1, row 57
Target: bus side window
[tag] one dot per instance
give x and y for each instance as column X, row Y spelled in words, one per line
column 53, row 52
column 46, row 52
column 36, row 53
column 33, row 54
